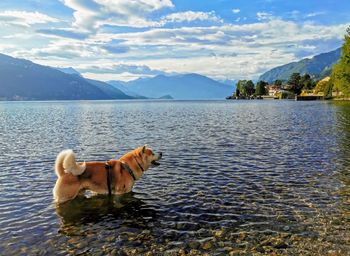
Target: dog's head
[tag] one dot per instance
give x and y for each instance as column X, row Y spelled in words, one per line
column 147, row 157
column 142, row 158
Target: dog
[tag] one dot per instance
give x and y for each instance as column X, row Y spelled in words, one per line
column 111, row 177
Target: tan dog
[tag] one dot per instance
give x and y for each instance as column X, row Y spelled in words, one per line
column 112, row 177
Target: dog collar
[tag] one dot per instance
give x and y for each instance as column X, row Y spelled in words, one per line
column 127, row 167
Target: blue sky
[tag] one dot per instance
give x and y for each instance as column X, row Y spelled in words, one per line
column 128, row 39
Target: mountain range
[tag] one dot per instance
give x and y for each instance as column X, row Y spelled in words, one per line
column 318, row 66
column 124, row 88
column 182, row 87
column 24, row 80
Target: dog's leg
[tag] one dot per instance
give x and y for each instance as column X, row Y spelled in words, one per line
column 66, row 190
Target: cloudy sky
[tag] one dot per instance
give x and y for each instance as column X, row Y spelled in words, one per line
column 127, row 39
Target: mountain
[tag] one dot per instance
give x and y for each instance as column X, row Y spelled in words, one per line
column 110, row 90
column 230, row 82
column 166, row 97
column 24, row 80
column 188, row 86
column 319, row 66
column 69, row 70
column 121, row 86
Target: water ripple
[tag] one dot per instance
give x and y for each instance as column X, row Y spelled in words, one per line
column 240, row 177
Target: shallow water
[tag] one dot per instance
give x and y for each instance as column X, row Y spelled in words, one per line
column 239, row 177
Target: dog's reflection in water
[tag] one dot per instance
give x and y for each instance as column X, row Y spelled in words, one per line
column 109, row 212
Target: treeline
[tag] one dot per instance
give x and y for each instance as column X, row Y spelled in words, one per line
column 338, row 84
column 246, row 89
column 340, row 76
column 295, row 84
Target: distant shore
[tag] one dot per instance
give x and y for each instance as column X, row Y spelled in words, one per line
column 297, row 98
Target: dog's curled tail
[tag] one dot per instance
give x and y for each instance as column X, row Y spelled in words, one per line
column 66, row 163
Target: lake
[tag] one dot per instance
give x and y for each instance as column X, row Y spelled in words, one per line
column 237, row 177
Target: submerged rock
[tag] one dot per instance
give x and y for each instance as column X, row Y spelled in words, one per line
column 207, row 245
column 219, row 233
column 203, row 232
column 286, row 228
column 194, row 244
column 243, row 235
column 221, row 244
column 182, row 252
column 193, row 252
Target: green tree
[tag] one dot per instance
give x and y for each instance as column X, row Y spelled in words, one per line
column 341, row 71
column 250, row 88
column 261, row 88
column 306, row 82
column 327, row 91
column 240, row 84
column 294, row 79
column 321, row 85
column 278, row 82
column 237, row 93
column 294, row 83
column 245, row 87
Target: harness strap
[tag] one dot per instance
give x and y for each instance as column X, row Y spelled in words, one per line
column 127, row 167
column 108, row 168
column 143, row 170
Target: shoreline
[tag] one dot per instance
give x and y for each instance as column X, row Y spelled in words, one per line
column 299, row 98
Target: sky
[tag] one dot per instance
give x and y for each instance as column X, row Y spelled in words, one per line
column 129, row 39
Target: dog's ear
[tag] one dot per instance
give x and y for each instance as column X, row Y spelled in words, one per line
column 144, row 148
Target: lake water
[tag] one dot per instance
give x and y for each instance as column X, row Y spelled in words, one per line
column 237, row 177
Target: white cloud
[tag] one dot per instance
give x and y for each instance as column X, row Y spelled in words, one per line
column 119, row 68
column 225, row 51
column 235, row 11
column 190, row 16
column 220, row 51
column 94, row 14
column 314, row 14
column 18, row 36
column 126, row 76
column 222, row 67
column 68, row 49
column 270, row 32
column 134, row 6
column 25, row 19
column 131, row 13
column 263, row 15
column 6, row 47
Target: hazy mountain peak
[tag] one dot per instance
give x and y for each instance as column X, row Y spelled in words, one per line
column 180, row 86
column 69, row 70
